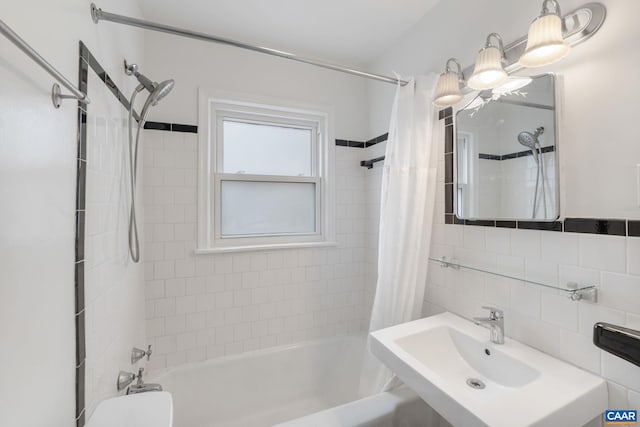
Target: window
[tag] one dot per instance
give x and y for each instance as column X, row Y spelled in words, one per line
column 463, row 156
column 264, row 175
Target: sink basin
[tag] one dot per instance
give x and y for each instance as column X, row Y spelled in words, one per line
column 451, row 364
column 153, row 409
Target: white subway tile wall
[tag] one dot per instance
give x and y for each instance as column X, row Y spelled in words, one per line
column 207, row 306
column 114, row 291
column 544, row 318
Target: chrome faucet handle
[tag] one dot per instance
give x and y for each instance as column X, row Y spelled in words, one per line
column 494, row 313
column 139, row 376
column 137, row 354
column 124, row 379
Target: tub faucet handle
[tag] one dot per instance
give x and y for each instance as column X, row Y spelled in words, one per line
column 124, row 379
column 139, row 376
column 137, row 354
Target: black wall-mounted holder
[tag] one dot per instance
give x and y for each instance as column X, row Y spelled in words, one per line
column 617, row 340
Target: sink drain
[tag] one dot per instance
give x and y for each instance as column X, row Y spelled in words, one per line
column 475, row 383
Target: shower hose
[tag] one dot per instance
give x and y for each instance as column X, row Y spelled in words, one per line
column 134, row 242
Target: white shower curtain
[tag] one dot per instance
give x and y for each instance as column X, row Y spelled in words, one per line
column 406, row 217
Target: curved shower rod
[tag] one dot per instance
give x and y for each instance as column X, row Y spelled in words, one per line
column 98, row 15
column 56, row 93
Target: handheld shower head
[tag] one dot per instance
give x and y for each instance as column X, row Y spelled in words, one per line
column 157, row 91
column 530, row 140
column 160, row 90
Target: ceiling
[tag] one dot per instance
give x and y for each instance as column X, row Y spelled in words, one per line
column 352, row 32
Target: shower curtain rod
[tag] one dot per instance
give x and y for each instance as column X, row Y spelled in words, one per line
column 99, row 15
column 56, row 94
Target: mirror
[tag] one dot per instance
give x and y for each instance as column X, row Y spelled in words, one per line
column 506, row 153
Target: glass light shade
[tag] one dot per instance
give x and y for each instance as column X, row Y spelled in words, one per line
column 447, row 90
column 488, row 72
column 545, row 44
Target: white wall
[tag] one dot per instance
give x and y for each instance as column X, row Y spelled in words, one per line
column 597, row 132
column 37, row 176
column 207, row 306
column 195, row 64
column 596, row 135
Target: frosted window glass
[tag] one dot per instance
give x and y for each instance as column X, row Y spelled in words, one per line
column 264, row 149
column 251, row 207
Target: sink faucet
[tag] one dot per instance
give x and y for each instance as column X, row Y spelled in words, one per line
column 495, row 321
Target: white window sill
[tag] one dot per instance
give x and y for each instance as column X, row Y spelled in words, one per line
column 253, row 248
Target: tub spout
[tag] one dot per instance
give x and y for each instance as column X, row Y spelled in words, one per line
column 143, row 388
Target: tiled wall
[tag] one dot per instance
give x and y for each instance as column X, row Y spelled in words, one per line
column 113, row 285
column 545, row 319
column 206, row 306
column 589, row 251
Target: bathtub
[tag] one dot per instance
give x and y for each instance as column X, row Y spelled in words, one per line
column 308, row 384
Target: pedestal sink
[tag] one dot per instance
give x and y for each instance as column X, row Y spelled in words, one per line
column 451, row 364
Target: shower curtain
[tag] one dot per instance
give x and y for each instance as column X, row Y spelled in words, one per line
column 406, row 217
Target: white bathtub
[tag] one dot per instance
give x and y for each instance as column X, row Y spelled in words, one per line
column 267, row 387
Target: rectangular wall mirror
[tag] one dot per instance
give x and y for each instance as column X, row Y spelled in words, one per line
column 506, row 153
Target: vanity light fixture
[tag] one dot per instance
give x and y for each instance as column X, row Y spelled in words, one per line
column 545, row 43
column 448, row 88
column 489, row 70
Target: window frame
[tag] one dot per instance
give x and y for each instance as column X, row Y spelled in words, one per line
column 464, row 190
column 215, row 107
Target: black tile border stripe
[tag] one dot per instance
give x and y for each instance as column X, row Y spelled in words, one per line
column 80, row 394
column 362, row 144
column 614, row 227
column 175, row 127
column 376, row 140
column 518, row 154
column 88, row 57
column 81, row 188
column 540, row 225
column 171, row 127
column 158, row 126
column 603, row 226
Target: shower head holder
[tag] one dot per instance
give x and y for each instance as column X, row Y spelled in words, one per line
column 130, row 69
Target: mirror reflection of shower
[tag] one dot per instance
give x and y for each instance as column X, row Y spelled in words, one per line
column 531, row 141
column 157, row 91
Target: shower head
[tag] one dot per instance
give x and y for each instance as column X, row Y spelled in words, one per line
column 157, row 91
column 530, row 140
column 160, row 90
